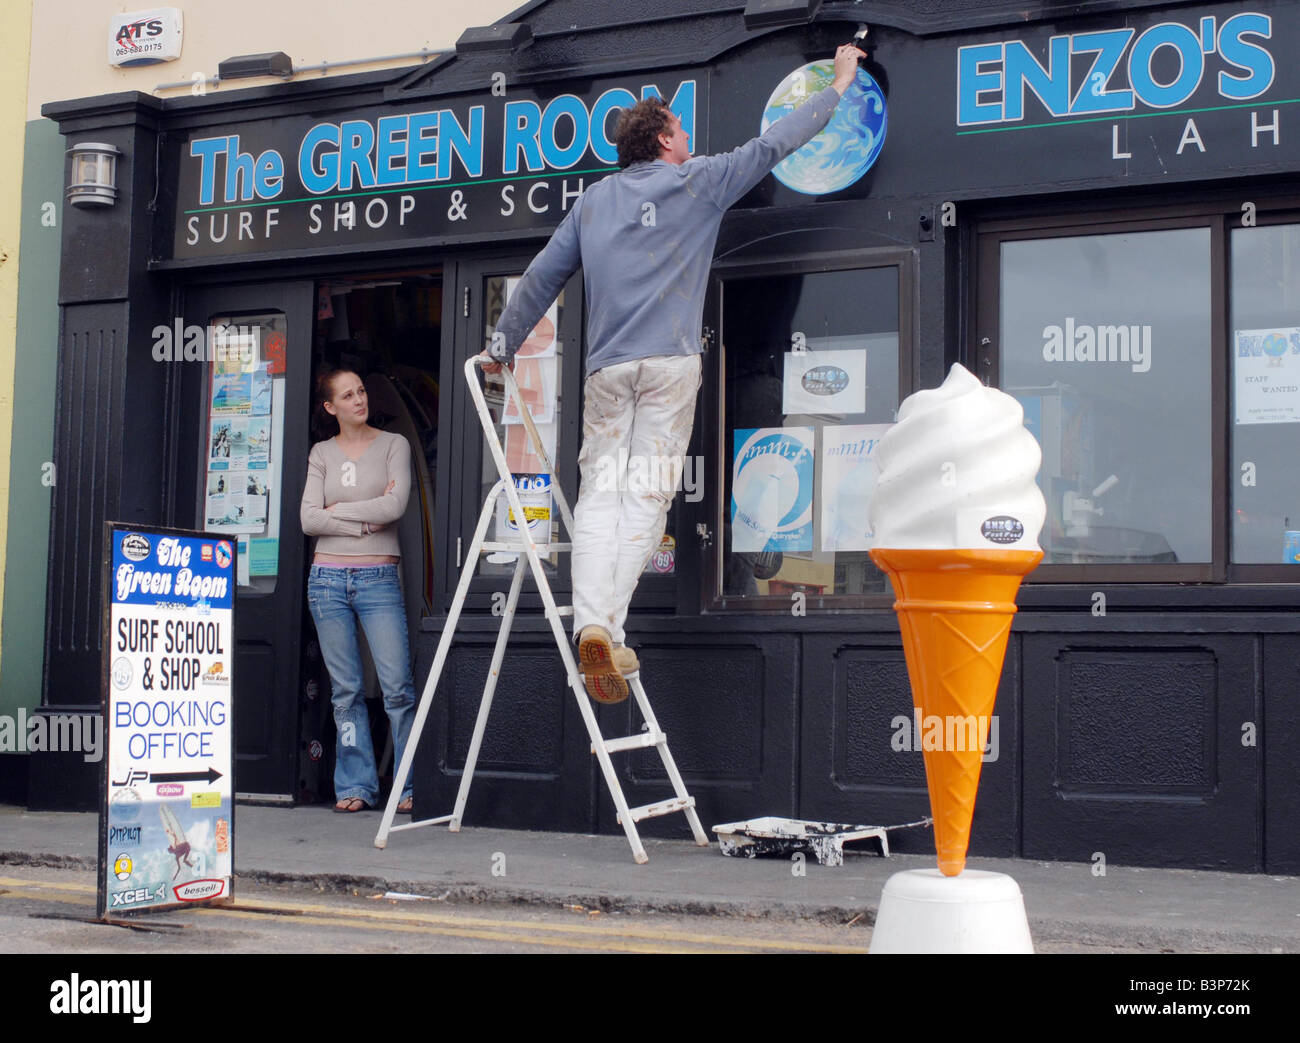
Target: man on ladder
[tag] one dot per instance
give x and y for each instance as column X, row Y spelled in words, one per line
column 644, row 238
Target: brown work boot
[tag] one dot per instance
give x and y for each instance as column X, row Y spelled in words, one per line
column 625, row 659
column 600, row 672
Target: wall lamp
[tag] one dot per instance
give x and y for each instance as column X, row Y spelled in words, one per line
column 507, row 36
column 94, row 174
column 771, row 14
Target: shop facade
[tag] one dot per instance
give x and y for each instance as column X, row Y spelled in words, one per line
column 1099, row 214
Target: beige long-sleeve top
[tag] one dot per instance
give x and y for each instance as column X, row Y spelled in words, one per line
column 357, row 488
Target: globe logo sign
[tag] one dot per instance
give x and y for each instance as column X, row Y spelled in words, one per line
column 847, row 146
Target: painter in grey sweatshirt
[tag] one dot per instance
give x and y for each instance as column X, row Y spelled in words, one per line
column 644, row 238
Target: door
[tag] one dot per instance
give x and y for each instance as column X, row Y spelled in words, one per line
column 535, row 767
column 241, row 465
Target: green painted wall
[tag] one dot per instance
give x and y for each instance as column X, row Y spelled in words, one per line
column 22, row 640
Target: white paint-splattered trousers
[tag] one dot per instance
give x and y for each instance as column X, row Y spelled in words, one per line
column 636, row 424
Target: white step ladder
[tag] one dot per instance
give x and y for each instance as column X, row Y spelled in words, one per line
column 651, row 735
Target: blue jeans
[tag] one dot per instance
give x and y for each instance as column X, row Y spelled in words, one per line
column 338, row 598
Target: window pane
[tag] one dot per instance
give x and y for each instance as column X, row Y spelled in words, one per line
column 811, row 384
column 1105, row 339
column 537, row 371
column 242, row 484
column 1265, row 346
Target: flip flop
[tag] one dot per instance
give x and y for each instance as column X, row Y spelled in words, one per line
column 351, row 805
column 406, row 806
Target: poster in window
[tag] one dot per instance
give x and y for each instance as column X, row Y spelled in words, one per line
column 848, row 480
column 772, row 490
column 537, row 380
column 1267, row 368
column 236, row 501
column 521, row 458
column 536, row 367
column 232, row 394
column 542, row 342
column 820, row 383
column 220, row 444
column 257, row 440
column 239, row 443
column 260, row 395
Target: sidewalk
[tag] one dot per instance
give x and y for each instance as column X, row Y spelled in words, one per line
column 1151, row 909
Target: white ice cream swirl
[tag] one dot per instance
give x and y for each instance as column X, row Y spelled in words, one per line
column 955, row 467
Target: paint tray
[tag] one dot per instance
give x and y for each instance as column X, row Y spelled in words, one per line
column 784, row 837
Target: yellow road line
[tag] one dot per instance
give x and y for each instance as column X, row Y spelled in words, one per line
column 14, row 881
column 433, row 930
column 391, row 917
column 518, row 937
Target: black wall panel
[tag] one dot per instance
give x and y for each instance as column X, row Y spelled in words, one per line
column 1278, row 738
column 862, row 760
column 88, row 446
column 534, row 770
column 1133, row 748
column 727, row 705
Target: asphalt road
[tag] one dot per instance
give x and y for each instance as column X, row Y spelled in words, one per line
column 52, row 911
column 49, row 911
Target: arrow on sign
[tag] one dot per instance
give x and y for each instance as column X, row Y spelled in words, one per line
column 211, row 776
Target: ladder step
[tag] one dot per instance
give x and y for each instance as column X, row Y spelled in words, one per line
column 633, row 742
column 664, row 807
column 542, row 548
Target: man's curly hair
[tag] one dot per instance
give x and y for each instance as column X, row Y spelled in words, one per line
column 637, row 134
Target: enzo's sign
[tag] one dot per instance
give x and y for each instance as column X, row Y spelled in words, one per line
column 1115, row 70
column 1192, row 93
column 166, row 811
column 496, row 161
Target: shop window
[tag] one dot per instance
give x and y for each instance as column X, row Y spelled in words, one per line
column 538, row 371
column 1157, row 359
column 1264, row 327
column 243, row 450
column 1105, row 340
column 810, row 381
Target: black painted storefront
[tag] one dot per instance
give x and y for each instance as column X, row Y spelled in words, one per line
column 1120, row 733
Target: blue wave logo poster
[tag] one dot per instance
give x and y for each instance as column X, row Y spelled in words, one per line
column 847, row 146
column 772, row 490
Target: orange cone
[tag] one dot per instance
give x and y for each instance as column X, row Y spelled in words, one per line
column 954, row 609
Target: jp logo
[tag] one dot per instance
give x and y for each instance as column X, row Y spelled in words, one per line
column 847, row 146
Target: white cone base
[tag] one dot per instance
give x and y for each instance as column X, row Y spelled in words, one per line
column 923, row 911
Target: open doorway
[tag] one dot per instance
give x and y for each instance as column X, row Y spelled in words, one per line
column 386, row 327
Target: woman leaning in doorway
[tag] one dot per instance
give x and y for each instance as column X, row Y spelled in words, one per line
column 357, row 486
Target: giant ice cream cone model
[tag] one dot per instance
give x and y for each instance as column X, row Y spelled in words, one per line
column 954, row 609
column 956, row 512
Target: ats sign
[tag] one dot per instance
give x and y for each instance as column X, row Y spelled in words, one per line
column 145, row 37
